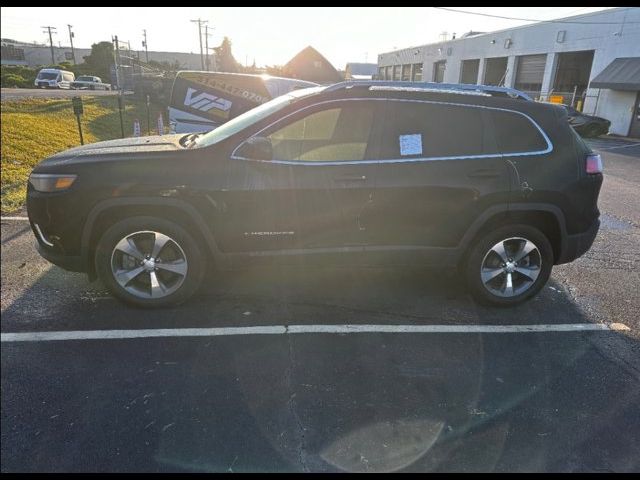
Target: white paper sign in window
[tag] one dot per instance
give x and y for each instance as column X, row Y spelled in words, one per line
column 411, row 144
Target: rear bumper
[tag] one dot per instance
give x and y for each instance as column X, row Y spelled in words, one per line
column 67, row 262
column 577, row 245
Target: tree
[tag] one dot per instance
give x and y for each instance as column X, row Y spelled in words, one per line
column 275, row 70
column 165, row 65
column 224, row 58
column 100, row 59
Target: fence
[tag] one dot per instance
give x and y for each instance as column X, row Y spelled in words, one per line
column 572, row 99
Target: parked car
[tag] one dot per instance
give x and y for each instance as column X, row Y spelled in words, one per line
column 587, row 126
column 88, row 82
column 359, row 172
column 54, row 78
column 200, row 101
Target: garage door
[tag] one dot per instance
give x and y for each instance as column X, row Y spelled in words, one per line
column 530, row 72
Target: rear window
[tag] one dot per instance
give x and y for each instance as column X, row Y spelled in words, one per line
column 515, row 133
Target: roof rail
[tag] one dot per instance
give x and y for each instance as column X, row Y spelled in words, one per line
column 431, row 86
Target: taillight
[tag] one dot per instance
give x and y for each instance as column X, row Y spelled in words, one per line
column 594, row 164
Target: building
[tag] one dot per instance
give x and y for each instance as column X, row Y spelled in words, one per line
column 591, row 61
column 310, row 65
column 34, row 55
column 360, row 71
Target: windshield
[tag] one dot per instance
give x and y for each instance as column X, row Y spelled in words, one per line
column 252, row 116
column 47, row 76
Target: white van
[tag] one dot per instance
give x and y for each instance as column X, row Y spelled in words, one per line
column 201, row 101
column 54, row 78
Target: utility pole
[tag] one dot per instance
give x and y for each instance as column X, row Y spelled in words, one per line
column 53, row 57
column 144, row 44
column 200, row 23
column 117, row 61
column 206, row 41
column 73, row 52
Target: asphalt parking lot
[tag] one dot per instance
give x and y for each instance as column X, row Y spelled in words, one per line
column 330, row 369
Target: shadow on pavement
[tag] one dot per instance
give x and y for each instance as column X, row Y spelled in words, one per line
column 322, row 402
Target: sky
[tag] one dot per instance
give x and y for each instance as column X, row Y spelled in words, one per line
column 270, row 35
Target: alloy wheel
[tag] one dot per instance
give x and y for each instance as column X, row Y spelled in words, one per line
column 511, row 267
column 149, row 264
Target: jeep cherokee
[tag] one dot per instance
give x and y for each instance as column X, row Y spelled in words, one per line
column 479, row 178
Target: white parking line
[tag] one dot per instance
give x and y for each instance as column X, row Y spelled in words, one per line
column 17, row 219
column 621, row 146
column 295, row 329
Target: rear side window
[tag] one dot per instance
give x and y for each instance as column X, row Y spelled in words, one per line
column 427, row 130
column 515, row 133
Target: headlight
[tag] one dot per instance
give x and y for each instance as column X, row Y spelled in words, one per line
column 45, row 182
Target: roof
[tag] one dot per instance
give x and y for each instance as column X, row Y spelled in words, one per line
column 310, row 65
column 621, row 74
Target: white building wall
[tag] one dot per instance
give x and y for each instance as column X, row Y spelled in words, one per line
column 617, row 36
column 36, row 56
column 616, row 106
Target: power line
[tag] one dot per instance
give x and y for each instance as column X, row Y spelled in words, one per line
column 530, row 19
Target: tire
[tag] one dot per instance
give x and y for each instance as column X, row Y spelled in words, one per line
column 176, row 271
column 487, row 272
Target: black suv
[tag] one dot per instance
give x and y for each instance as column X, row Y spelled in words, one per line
column 480, row 178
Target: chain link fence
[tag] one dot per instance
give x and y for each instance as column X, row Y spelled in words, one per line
column 573, row 99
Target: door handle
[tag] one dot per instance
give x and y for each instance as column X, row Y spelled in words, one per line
column 350, row 178
column 484, row 173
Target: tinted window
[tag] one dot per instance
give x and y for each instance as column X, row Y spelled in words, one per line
column 516, row 134
column 416, row 130
column 333, row 134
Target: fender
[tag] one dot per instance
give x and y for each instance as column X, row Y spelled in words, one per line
column 516, row 207
column 103, row 205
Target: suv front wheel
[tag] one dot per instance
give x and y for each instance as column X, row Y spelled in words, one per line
column 149, row 262
column 508, row 265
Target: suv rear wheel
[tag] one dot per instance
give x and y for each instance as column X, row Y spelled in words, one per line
column 149, row 262
column 508, row 265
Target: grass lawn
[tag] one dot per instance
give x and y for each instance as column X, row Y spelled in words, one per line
column 33, row 129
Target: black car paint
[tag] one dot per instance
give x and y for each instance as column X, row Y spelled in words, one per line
column 587, row 125
column 424, row 212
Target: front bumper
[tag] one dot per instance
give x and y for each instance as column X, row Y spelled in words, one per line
column 67, row 262
column 577, row 245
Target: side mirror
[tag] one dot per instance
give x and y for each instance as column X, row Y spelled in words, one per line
column 256, row 148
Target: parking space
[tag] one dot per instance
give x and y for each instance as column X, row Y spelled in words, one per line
column 431, row 381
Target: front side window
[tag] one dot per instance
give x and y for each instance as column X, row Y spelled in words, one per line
column 253, row 116
column 426, row 130
column 333, row 134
